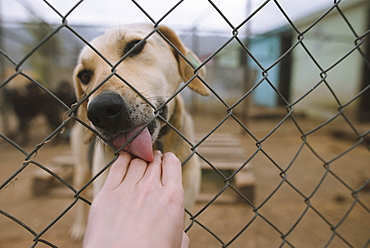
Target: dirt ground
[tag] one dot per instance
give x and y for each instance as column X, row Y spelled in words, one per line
column 305, row 193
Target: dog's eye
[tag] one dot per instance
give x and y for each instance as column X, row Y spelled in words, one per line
column 85, row 76
column 134, row 48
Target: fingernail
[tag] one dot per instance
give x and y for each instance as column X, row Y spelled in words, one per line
column 170, row 154
column 157, row 152
column 124, row 153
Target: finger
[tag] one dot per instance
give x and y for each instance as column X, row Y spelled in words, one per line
column 154, row 170
column 135, row 171
column 185, row 241
column 117, row 171
column 171, row 170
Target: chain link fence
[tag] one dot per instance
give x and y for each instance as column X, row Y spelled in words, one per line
column 283, row 139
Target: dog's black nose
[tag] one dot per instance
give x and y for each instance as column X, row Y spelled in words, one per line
column 106, row 110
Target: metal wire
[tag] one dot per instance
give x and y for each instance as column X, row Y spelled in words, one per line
column 284, row 173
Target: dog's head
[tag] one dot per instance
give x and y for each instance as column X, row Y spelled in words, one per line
column 127, row 76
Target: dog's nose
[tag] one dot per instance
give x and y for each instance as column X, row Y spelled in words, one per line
column 106, row 110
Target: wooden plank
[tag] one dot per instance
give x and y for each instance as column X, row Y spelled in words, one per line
column 221, row 149
column 231, row 143
column 225, row 152
column 245, row 178
column 221, row 166
column 245, row 181
column 222, row 199
column 223, row 155
column 224, row 165
column 43, row 182
column 230, row 139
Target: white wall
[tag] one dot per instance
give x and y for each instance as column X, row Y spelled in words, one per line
column 328, row 42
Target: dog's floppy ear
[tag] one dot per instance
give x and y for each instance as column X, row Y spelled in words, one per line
column 186, row 70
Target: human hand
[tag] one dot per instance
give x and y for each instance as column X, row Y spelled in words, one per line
column 140, row 205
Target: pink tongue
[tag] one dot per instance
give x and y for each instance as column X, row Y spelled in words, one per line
column 140, row 146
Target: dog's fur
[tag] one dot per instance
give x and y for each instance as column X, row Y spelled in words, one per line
column 155, row 70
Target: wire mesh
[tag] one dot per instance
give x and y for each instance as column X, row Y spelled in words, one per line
column 310, row 189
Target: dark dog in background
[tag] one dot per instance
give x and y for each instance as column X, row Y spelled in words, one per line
column 30, row 101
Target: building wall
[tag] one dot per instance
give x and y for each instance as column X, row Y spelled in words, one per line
column 328, row 42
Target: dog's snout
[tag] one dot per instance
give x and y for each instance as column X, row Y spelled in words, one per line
column 106, row 110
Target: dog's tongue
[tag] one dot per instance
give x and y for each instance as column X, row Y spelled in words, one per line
column 140, row 146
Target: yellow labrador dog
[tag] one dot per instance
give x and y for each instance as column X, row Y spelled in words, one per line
column 129, row 90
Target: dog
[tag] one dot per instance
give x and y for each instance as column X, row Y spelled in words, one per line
column 27, row 100
column 127, row 81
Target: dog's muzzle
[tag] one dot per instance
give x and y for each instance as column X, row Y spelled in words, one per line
column 108, row 111
column 117, row 124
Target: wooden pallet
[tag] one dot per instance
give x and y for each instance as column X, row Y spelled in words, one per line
column 225, row 153
column 46, row 184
